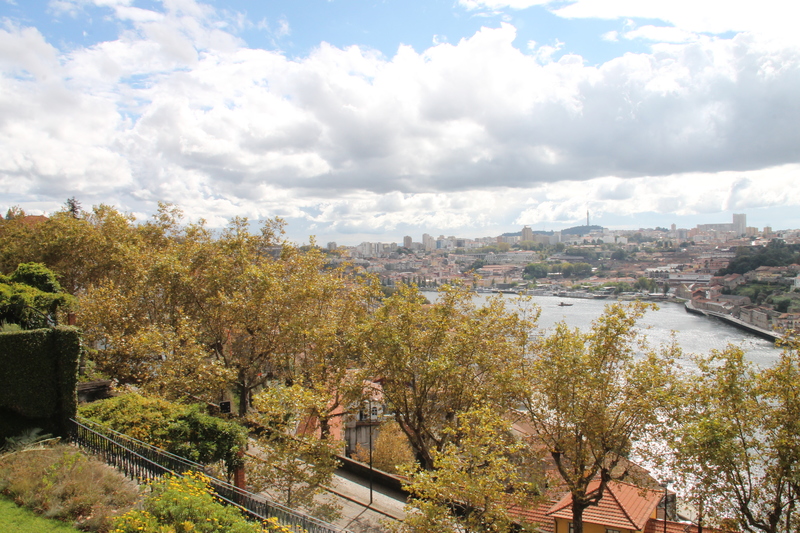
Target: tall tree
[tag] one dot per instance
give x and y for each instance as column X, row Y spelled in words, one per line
column 478, row 478
column 438, row 360
column 73, row 207
column 592, row 395
column 81, row 251
column 235, row 305
column 288, row 463
column 738, row 440
column 328, row 356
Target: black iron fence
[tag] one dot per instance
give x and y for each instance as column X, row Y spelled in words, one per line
column 143, row 461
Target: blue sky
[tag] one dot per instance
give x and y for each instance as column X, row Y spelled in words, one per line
column 369, row 120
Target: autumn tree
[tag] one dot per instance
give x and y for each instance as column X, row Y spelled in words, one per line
column 290, row 464
column 138, row 325
column 738, row 440
column 592, row 395
column 328, row 356
column 265, row 317
column 101, row 244
column 436, row 361
column 390, row 451
column 477, row 479
column 199, row 310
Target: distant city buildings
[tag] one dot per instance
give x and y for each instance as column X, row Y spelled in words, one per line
column 737, row 228
column 701, row 234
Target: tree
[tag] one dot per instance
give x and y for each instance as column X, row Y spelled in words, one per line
column 267, row 317
column 140, row 327
column 327, row 350
column 592, row 396
column 391, row 451
column 73, row 207
column 581, row 270
column 15, row 212
column 738, row 440
column 439, row 360
column 82, row 252
column 536, row 271
column 289, row 463
column 645, row 284
column 477, row 479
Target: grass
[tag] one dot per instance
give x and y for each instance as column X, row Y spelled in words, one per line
column 61, row 482
column 15, row 519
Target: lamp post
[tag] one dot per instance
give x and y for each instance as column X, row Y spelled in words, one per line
column 666, row 484
column 370, row 451
column 368, row 402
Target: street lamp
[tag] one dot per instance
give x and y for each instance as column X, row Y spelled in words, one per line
column 368, row 402
column 370, row 451
column 666, row 484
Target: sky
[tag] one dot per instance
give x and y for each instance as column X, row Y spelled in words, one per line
column 368, row 120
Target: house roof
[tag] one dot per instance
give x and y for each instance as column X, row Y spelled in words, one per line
column 623, row 506
column 536, row 515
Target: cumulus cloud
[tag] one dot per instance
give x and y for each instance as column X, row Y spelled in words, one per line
column 177, row 108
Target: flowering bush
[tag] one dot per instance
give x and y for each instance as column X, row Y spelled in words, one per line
column 183, row 504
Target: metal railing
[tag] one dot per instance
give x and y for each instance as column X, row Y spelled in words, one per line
column 143, row 461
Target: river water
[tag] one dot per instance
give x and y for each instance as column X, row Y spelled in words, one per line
column 694, row 334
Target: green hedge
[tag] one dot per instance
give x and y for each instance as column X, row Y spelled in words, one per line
column 180, row 429
column 38, row 377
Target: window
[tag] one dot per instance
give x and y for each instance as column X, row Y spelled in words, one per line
column 571, row 528
column 612, row 530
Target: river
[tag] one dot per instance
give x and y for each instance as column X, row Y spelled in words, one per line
column 694, row 334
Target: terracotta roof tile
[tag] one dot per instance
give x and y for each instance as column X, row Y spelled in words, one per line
column 622, row 506
column 536, row 515
column 657, row 526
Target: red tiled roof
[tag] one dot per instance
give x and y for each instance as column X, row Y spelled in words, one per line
column 623, row 506
column 536, row 515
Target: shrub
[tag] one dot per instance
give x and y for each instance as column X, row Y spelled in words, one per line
column 180, row 429
column 182, row 504
column 61, row 482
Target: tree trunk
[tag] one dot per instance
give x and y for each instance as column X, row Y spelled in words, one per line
column 244, row 394
column 324, row 427
column 577, row 517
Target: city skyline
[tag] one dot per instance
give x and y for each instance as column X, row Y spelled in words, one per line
column 371, row 121
column 706, row 232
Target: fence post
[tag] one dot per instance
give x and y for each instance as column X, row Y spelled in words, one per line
column 238, row 475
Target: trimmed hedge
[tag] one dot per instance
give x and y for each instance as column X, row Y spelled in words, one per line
column 38, row 378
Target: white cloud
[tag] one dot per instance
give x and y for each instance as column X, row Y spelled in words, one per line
column 775, row 19
column 611, row 36
column 470, row 134
column 500, row 4
column 663, row 34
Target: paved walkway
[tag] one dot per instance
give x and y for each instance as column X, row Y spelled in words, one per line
column 351, row 493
